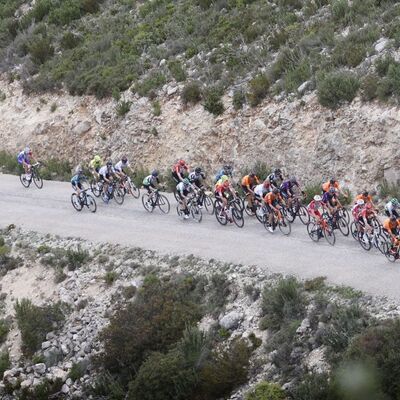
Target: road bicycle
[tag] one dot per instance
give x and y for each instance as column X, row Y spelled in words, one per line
column 204, row 199
column 231, row 213
column 317, row 229
column 154, row 199
column 26, row 179
column 192, row 208
column 84, row 199
column 392, row 250
column 297, row 209
column 279, row 220
column 113, row 192
column 338, row 221
column 128, row 186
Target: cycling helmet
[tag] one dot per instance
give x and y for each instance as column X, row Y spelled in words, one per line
column 97, row 158
column 317, row 197
column 252, row 174
column 182, row 162
column 393, row 218
column 109, row 163
column 293, row 179
column 227, row 167
column 395, row 202
column 79, row 171
column 124, row 159
column 186, row 182
column 277, row 171
column 27, row 150
column 365, row 193
column 154, row 173
column 360, row 202
column 332, row 181
column 275, row 191
column 224, row 178
column 198, row 170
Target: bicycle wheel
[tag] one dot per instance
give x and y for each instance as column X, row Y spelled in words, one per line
column 343, row 226
column 313, row 231
column 119, row 196
column 37, row 179
column 179, row 211
column 364, row 241
column 208, row 204
column 176, row 195
column 376, row 224
column 303, row 215
column 163, row 204
column 196, row 213
column 237, row 217
column 380, row 242
column 354, row 230
column 260, row 213
column 76, row 202
column 284, row 226
column 289, row 213
column 247, row 209
column 25, row 182
column 96, row 187
column 391, row 254
column 329, row 235
column 133, row 190
column 147, row 203
column 345, row 214
column 220, row 215
column 91, row 203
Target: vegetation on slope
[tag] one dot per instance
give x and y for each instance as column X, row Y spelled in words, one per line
column 103, row 48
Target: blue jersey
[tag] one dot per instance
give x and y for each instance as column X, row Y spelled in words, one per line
column 77, row 179
column 22, row 157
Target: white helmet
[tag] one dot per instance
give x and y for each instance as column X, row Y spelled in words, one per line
column 360, row 202
column 317, row 197
column 27, row 150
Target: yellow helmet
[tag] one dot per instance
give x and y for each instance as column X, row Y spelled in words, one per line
column 97, row 158
column 224, row 178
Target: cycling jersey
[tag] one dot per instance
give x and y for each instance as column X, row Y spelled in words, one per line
column 356, row 210
column 96, row 165
column 392, row 226
column 390, row 210
column 329, row 198
column 221, row 173
column 105, row 171
column 365, row 213
column 260, row 190
column 314, row 208
column 366, row 199
column 150, row 180
column 287, row 186
column 22, row 157
column 327, row 185
column 249, row 182
column 220, row 189
column 272, row 198
column 76, row 181
column 275, row 179
column 119, row 166
column 182, row 189
column 197, row 179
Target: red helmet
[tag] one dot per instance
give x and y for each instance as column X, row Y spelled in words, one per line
column 182, row 162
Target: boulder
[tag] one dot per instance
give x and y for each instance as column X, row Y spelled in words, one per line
column 231, row 320
column 81, row 127
column 40, row 368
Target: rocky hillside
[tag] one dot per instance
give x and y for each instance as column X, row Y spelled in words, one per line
column 82, row 320
column 308, row 85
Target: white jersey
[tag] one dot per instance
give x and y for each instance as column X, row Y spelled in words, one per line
column 260, row 190
column 119, row 166
column 390, row 207
column 103, row 171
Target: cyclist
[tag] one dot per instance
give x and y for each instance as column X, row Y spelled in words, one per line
column 333, row 183
column 356, row 210
column 287, row 191
column 183, row 189
column 197, row 178
column 106, row 173
column 25, row 158
column 179, row 170
column 365, row 196
column 262, row 189
column 226, row 170
column 393, row 208
column 316, row 208
column 392, row 228
column 272, row 201
column 95, row 165
column 364, row 219
column 121, row 167
column 223, row 189
column 77, row 180
column 331, row 202
column 249, row 182
column 151, row 182
column 276, row 178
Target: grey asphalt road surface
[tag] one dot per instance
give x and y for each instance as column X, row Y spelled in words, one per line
column 50, row 211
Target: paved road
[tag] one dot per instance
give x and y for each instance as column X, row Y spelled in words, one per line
column 49, row 211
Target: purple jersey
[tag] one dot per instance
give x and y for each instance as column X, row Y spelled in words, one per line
column 22, row 157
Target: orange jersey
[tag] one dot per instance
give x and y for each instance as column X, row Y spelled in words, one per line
column 367, row 199
column 389, row 225
column 249, row 182
column 327, row 185
column 270, row 198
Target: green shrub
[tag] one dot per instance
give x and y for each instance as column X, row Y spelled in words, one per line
column 296, row 76
column 53, row 169
column 76, row 258
column 341, row 10
column 35, row 322
column 123, row 107
column 77, row 371
column 369, row 87
column 191, row 93
column 108, row 386
column 336, row 87
column 260, row 168
column 41, row 50
column 239, row 98
column 110, row 277
column 177, row 71
column 156, row 108
column 149, row 84
column 9, row 163
column 4, row 362
column 266, row 391
column 212, row 101
column 258, row 90
column 140, row 174
column 382, row 65
column 4, row 328
column 313, row 386
column 389, row 190
column 283, row 303
column 69, row 41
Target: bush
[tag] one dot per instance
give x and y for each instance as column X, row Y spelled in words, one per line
column 77, row 371
column 313, row 387
column 382, row 65
column 212, row 101
column 191, row 93
column 283, row 303
column 123, row 107
column 9, row 163
column 56, row 170
column 4, row 328
column 41, row 50
column 177, row 71
column 149, row 84
column 76, row 258
column 369, row 87
column 4, row 362
column 336, row 87
column 156, row 108
column 261, row 169
column 110, row 277
column 389, row 190
column 341, row 10
column 258, row 90
column 239, row 98
column 35, row 322
column 266, row 391
column 69, row 41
